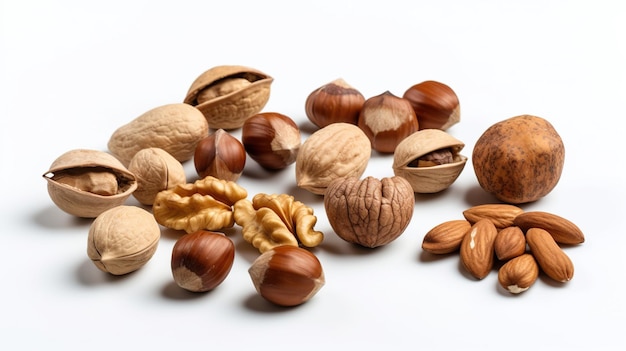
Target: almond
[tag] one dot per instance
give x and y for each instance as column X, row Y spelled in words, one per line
column 518, row 274
column 510, row 242
column 502, row 215
column 552, row 260
column 562, row 230
column 477, row 248
column 445, row 237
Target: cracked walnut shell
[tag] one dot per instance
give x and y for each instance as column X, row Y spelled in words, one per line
column 369, row 212
column 273, row 220
column 205, row 204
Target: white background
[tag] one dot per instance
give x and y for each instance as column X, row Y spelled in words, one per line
column 74, row 71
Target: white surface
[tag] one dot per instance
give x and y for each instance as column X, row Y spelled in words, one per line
column 74, row 71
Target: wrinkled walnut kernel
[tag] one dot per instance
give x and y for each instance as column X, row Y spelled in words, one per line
column 434, row 158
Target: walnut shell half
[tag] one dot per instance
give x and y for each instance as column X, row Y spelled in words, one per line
column 369, row 212
column 228, row 95
column 429, row 159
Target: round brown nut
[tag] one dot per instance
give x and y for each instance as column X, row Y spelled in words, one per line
column 123, row 239
column 220, row 155
column 334, row 102
column 85, row 183
column 520, row 159
column 436, row 105
column 156, row 170
column 228, row 95
column 271, row 139
column 369, row 212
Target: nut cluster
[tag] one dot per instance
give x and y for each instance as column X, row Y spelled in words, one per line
column 524, row 243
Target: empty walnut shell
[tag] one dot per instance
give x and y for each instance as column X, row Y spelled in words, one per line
column 228, row 95
column 85, row 183
column 429, row 159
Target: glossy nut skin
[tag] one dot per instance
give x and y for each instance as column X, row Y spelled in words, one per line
column 220, row 155
column 436, row 105
column 227, row 95
column 334, row 102
column 287, row 275
column 202, row 260
column 271, row 139
column 386, row 120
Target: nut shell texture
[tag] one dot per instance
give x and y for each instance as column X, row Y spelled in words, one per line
column 101, row 170
column 334, row 102
column 436, row 104
column 156, row 170
column 369, row 212
column 122, row 239
column 230, row 108
column 519, row 160
column 175, row 128
column 336, row 151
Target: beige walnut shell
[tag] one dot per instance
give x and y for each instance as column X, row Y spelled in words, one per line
column 428, row 179
column 335, row 151
column 228, row 95
column 85, row 183
column 122, row 239
column 155, row 170
column 206, row 204
column 271, row 220
column 175, row 128
column 369, row 212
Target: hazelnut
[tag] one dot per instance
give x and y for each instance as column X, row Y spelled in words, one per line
column 202, row 260
column 271, row 139
column 436, row 105
column 287, row 275
column 386, row 120
column 220, row 155
column 334, row 102
column 519, row 160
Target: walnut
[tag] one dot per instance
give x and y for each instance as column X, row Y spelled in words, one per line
column 205, row 204
column 273, row 220
column 369, row 212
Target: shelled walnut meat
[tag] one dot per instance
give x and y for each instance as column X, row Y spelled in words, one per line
column 370, row 212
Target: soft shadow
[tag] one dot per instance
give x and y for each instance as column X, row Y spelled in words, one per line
column 307, row 127
column 256, row 303
column 51, row 217
column 89, row 275
column 427, row 257
column 334, row 245
column 172, row 291
column 245, row 250
column 304, row 195
column 478, row 196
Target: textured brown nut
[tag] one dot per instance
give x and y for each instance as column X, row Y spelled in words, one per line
column 122, row 239
column 271, row 220
column 519, row 160
column 336, row 151
column 477, row 248
column 271, row 139
column 85, row 183
column 502, row 215
column 220, row 155
column 510, row 242
column 228, row 95
column 436, row 105
column 552, row 260
column 369, row 212
column 202, row 260
column 386, row 120
column 434, row 177
column 205, row 204
column 334, row 102
column 562, row 230
column 287, row 275
column 445, row 237
column 156, row 170
column 175, row 128
column 518, row 274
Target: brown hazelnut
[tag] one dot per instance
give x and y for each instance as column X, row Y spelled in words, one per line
column 220, row 155
column 287, row 275
column 334, row 102
column 271, row 139
column 202, row 260
column 436, row 104
column 386, row 120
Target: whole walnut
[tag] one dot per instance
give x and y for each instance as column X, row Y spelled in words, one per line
column 520, row 159
column 370, row 212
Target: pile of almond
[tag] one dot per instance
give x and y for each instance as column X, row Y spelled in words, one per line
column 524, row 242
